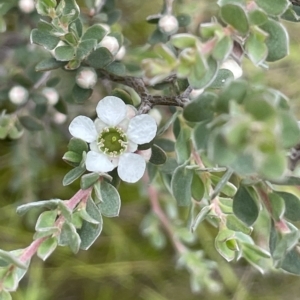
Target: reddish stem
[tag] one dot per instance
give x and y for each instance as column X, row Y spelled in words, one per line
column 153, row 196
column 71, row 204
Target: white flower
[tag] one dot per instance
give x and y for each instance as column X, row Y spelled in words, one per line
column 114, row 137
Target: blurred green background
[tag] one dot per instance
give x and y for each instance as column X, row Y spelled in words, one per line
column 122, row 264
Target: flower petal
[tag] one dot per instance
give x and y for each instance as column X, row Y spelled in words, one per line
column 131, row 167
column 99, row 125
column 94, row 147
column 98, row 162
column 142, row 129
column 83, row 128
column 132, row 147
column 146, row 154
column 111, row 110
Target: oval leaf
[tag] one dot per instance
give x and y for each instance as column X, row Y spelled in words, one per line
column 181, row 185
column 111, row 202
column 244, row 206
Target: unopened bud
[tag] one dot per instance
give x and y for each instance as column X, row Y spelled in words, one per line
column 26, row 6
column 121, row 53
column 86, row 78
column 168, row 24
column 111, row 43
column 231, row 65
column 18, row 95
column 59, row 118
column 52, row 95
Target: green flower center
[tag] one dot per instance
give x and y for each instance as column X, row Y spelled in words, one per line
column 112, row 141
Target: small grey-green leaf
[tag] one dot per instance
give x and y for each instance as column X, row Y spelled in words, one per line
column 235, row 16
column 116, row 68
column 235, row 224
column 48, row 64
column 49, row 204
column 111, row 202
column 292, row 206
column 88, row 180
column 244, row 206
column 183, row 145
column 96, row 32
column 89, row 232
column 80, row 95
column 77, row 145
column 273, row 7
column 158, row 156
column 201, row 217
column 31, row 123
column 46, row 220
column 47, row 247
column 181, row 185
column 85, row 48
column 201, row 108
column 44, row 38
column 71, row 236
column 100, row 58
column 12, row 259
column 198, row 188
column 277, row 40
column 65, row 53
column 200, row 136
column 209, row 75
column 4, row 295
column 85, row 216
column 221, row 79
column 72, row 175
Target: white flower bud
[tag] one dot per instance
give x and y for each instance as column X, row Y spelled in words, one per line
column 121, row 53
column 231, row 65
column 168, row 24
column 59, row 118
column 18, row 95
column 111, row 43
column 86, row 78
column 51, row 94
column 26, row 6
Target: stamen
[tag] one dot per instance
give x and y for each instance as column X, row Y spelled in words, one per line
column 112, row 141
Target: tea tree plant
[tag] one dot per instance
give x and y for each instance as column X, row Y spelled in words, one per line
column 219, row 145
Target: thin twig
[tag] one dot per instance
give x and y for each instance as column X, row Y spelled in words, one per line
column 71, row 204
column 148, row 100
column 169, row 6
column 156, row 208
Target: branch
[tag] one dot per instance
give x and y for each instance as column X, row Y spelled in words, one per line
column 148, row 100
column 295, row 2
